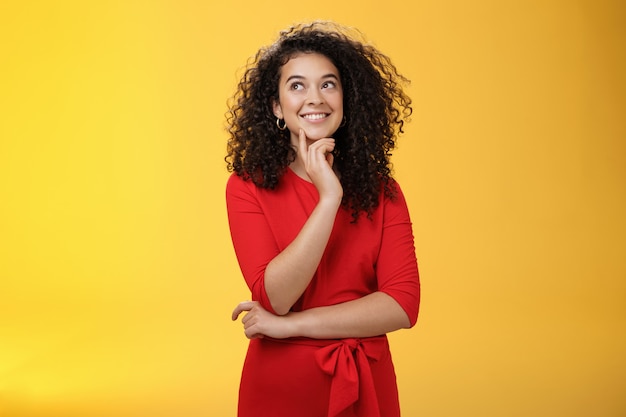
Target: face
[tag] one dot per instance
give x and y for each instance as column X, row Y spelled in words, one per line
column 310, row 97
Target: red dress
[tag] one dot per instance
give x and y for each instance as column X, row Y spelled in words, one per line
column 317, row 378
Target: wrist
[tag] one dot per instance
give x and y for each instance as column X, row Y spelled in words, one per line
column 297, row 323
column 332, row 202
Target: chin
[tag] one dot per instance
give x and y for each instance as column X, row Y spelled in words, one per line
column 315, row 134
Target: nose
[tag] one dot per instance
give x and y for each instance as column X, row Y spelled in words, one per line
column 315, row 96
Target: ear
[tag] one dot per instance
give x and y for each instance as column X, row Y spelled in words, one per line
column 278, row 111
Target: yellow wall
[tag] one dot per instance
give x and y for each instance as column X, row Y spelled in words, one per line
column 117, row 275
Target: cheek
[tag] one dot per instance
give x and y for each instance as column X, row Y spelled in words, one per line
column 338, row 107
column 337, row 101
column 291, row 105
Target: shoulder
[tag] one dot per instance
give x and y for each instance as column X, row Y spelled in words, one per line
column 391, row 191
column 245, row 179
column 236, row 181
column 238, row 184
column 393, row 200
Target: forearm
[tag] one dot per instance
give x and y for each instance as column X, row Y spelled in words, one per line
column 289, row 273
column 372, row 315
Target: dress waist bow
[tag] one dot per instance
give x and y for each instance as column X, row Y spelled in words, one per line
column 347, row 361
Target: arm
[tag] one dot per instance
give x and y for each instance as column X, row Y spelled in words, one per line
column 371, row 315
column 290, row 272
column 394, row 306
column 278, row 271
column 271, row 254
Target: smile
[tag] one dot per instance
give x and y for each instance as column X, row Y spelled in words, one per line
column 315, row 116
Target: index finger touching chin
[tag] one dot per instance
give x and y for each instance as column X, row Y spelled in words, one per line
column 302, row 139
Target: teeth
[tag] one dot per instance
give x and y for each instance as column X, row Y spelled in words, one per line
column 316, row 116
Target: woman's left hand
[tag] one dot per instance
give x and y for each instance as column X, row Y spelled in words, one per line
column 258, row 322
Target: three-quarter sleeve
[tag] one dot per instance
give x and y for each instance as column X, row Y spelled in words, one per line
column 396, row 267
column 253, row 241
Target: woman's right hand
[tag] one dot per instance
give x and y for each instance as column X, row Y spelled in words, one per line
column 258, row 322
column 317, row 160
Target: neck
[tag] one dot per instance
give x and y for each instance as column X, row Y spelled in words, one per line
column 298, row 168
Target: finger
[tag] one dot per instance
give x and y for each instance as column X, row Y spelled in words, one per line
column 302, row 143
column 251, row 332
column 323, row 146
column 247, row 319
column 254, row 335
column 241, row 307
column 323, row 152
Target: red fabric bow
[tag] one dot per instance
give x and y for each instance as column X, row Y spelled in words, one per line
column 352, row 384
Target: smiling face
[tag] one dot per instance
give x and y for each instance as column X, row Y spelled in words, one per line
column 310, row 97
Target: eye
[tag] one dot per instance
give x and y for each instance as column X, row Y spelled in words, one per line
column 328, row 84
column 296, row 86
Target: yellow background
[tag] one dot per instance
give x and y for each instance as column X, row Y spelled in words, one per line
column 117, row 275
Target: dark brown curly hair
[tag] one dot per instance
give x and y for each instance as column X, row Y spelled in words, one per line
column 375, row 108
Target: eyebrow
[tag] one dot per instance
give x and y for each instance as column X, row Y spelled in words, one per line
column 301, row 77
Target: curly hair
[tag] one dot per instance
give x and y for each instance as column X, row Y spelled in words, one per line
column 375, row 108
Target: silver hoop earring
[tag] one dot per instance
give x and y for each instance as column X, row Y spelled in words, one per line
column 283, row 127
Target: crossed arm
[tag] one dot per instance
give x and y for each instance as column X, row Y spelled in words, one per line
column 289, row 273
column 371, row 315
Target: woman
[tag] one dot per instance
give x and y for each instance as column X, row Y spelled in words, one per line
column 320, row 229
